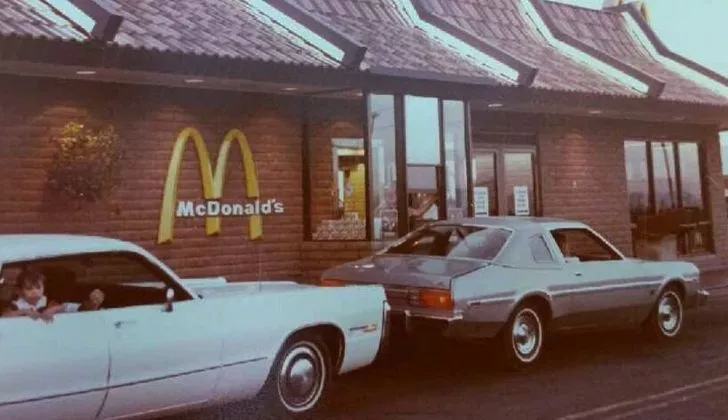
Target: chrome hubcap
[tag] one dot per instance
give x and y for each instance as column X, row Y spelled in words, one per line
column 526, row 335
column 669, row 312
column 301, row 377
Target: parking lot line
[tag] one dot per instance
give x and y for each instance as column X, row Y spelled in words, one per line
column 606, row 409
column 656, row 406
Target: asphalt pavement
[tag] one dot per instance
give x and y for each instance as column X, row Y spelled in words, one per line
column 615, row 375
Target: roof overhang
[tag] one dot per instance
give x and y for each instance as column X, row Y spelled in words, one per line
column 606, row 63
column 635, row 17
column 526, row 73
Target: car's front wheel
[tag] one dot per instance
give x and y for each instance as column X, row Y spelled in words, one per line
column 298, row 380
column 666, row 319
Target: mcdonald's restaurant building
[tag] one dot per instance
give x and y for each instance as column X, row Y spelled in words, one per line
column 271, row 139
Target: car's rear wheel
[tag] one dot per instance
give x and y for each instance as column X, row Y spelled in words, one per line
column 666, row 319
column 522, row 338
column 298, row 380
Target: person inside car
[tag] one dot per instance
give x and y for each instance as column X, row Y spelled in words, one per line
column 31, row 300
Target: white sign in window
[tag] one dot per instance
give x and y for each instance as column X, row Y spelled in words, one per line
column 482, row 201
column 520, row 197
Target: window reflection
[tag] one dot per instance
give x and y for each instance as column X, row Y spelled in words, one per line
column 485, row 192
column 519, row 183
column 668, row 215
column 424, row 169
column 383, row 167
column 347, row 194
column 455, row 157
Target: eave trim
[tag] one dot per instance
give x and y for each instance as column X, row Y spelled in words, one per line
column 354, row 52
column 655, row 86
column 634, row 11
column 431, row 75
column 526, row 73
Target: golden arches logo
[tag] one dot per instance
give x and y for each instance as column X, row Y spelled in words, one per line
column 212, row 182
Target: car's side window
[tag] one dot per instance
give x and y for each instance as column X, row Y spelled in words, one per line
column 125, row 279
column 583, row 244
column 540, row 250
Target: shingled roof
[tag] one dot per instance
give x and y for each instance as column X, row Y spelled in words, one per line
column 33, row 18
column 502, row 24
column 393, row 42
column 230, row 28
column 607, row 31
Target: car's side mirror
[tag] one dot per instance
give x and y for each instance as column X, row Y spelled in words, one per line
column 169, row 298
column 571, row 260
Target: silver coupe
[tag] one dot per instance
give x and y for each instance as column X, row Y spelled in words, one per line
column 514, row 279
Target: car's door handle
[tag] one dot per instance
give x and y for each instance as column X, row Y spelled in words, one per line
column 119, row 324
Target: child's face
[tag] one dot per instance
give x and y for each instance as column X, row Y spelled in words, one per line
column 32, row 292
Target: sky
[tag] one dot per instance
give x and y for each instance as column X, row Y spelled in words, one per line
column 697, row 29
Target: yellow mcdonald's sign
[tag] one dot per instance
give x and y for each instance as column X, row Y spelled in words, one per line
column 212, row 186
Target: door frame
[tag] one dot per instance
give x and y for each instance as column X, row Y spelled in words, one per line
column 500, row 149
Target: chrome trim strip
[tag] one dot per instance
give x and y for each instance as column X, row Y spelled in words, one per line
column 590, row 289
column 107, row 388
column 486, row 301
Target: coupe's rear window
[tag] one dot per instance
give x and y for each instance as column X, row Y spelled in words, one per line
column 453, row 241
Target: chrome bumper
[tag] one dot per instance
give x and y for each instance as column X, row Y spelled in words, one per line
column 410, row 321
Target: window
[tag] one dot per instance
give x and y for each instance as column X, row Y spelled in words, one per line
column 456, row 176
column 481, row 243
column 724, row 161
column 126, row 279
column 424, row 161
column 344, row 207
column 583, row 244
column 424, row 241
column 383, row 165
column 540, row 250
column 667, row 207
column 453, row 241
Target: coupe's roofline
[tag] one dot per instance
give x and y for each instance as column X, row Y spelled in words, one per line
column 515, row 222
column 19, row 247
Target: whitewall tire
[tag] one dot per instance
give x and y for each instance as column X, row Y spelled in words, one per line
column 522, row 338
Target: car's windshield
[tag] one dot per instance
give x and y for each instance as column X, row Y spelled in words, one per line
column 453, row 241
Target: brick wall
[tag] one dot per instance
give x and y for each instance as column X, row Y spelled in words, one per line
column 148, row 120
column 321, row 255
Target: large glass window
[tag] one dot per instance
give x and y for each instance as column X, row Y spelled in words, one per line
column 667, row 209
column 724, row 160
column 456, row 177
column 424, row 159
column 382, row 163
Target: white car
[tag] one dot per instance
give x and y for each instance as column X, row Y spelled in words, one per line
column 159, row 345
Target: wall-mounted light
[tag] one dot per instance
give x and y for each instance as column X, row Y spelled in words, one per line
column 594, row 111
column 290, row 89
column 495, row 105
column 193, row 81
column 86, row 72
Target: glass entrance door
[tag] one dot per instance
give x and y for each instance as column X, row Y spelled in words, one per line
column 504, row 179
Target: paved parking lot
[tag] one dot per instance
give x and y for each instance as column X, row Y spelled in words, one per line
column 599, row 376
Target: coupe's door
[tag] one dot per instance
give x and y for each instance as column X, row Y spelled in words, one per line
column 603, row 288
column 162, row 360
column 53, row 371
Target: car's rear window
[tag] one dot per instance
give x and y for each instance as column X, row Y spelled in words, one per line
column 481, row 243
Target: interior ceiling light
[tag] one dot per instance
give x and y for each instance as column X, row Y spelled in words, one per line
column 461, row 47
column 576, row 54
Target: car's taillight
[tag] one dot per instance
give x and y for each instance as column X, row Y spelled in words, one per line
column 332, row 283
column 432, row 298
